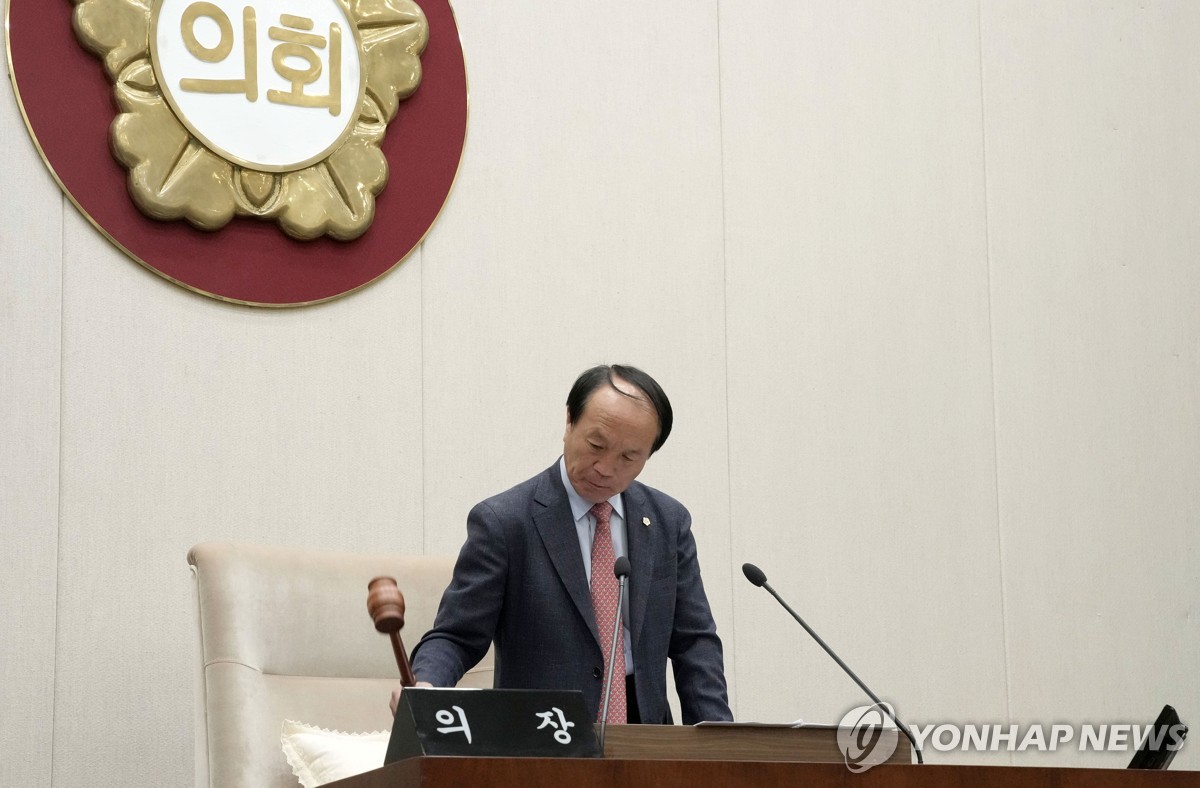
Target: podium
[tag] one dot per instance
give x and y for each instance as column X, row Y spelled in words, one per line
column 737, row 756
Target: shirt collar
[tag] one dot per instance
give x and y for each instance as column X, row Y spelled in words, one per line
column 579, row 506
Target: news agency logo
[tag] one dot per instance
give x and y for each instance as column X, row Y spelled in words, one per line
column 1011, row 737
column 867, row 737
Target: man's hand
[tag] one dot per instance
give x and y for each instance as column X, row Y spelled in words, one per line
column 395, row 701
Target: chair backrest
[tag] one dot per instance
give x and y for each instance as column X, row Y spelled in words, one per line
column 285, row 634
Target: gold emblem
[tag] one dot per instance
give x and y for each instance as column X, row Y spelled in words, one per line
column 273, row 110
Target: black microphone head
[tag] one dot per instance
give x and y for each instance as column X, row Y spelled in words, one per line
column 621, row 567
column 754, row 574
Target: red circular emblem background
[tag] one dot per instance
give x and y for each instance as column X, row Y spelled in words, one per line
column 68, row 102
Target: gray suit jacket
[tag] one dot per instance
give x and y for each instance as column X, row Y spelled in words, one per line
column 520, row 581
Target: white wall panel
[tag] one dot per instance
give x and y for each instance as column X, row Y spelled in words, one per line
column 585, row 228
column 861, row 451
column 30, row 325
column 1093, row 131
column 186, row 419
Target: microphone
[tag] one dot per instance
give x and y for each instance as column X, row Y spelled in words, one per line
column 758, row 578
column 621, row 570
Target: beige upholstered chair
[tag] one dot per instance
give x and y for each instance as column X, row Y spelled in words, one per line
column 285, row 634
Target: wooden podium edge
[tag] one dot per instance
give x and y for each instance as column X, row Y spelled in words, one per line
column 436, row 772
column 732, row 742
column 739, row 756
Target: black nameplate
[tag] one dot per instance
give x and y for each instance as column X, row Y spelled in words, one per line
column 492, row 723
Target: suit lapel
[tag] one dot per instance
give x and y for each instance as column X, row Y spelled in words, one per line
column 640, row 541
column 556, row 526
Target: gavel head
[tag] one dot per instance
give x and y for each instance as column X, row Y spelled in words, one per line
column 385, row 603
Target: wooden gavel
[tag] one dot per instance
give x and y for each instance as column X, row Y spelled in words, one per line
column 385, row 603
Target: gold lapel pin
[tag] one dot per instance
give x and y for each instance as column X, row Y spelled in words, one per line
column 646, row 521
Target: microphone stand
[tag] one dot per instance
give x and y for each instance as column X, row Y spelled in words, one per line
column 621, row 570
column 756, row 576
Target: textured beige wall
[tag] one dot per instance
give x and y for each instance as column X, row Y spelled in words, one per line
column 1093, row 130
column 921, row 280
column 30, row 385
column 862, row 453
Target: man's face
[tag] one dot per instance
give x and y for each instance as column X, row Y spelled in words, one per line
column 607, row 447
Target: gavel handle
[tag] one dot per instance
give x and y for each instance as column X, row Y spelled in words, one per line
column 407, row 679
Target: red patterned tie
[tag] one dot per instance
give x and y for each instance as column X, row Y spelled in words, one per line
column 604, row 604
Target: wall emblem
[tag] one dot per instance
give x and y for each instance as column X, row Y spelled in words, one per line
column 241, row 148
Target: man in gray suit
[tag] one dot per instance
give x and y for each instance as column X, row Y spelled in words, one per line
column 526, row 577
